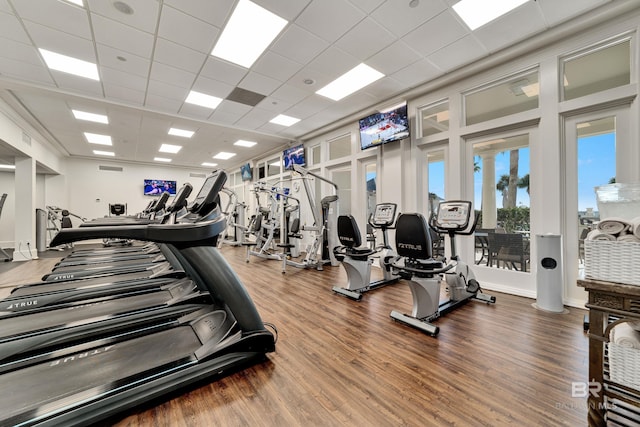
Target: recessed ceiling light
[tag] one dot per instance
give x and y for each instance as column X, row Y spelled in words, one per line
column 243, row 143
column 223, row 155
column 181, row 132
column 7, row 166
column 475, row 13
column 162, row 159
column 283, row 120
column 90, row 117
column 249, row 31
column 104, row 153
column 95, row 138
column 168, row 148
column 203, row 99
column 67, row 64
column 123, row 7
column 351, row 81
column 209, row 165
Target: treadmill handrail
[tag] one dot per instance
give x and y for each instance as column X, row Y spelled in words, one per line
column 195, row 233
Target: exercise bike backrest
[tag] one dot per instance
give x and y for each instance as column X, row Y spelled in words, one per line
column 350, row 238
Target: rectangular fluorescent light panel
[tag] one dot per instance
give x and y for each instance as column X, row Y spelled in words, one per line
column 90, row 117
column 95, row 138
column 223, row 155
column 162, row 159
column 283, row 120
column 67, row 64
column 476, row 13
column 243, row 143
column 209, row 165
column 350, row 82
column 104, row 153
column 181, row 132
column 250, row 30
column 168, row 148
column 203, row 100
column 78, row 2
column 7, row 166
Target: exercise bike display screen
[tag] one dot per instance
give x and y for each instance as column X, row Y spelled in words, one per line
column 384, row 214
column 454, row 214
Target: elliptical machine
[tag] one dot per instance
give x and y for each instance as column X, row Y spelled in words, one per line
column 424, row 273
column 357, row 260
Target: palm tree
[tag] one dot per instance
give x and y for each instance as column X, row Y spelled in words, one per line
column 524, row 182
column 514, row 156
column 503, row 186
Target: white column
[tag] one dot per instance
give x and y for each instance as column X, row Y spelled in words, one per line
column 25, row 210
column 489, row 211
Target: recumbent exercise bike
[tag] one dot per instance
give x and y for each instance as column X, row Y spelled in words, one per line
column 357, row 260
column 424, row 273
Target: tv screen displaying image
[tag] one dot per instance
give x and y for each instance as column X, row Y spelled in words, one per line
column 245, row 171
column 293, row 156
column 155, row 187
column 385, row 126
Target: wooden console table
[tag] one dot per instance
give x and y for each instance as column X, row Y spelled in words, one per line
column 609, row 304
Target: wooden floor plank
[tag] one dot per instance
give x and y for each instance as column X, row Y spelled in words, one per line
column 340, row 362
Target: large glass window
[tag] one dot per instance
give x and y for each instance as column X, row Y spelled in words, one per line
column 501, row 187
column 273, row 166
column 342, row 178
column 510, row 96
column 340, row 147
column 435, row 165
column 434, row 118
column 597, row 69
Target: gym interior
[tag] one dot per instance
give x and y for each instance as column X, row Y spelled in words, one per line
column 427, row 250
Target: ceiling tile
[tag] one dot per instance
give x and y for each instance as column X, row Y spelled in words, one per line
column 519, row 23
column 254, row 118
column 299, row 45
column 178, row 56
column 123, row 37
column 212, row 87
column 168, row 74
column 274, row 105
column 341, row 15
column 144, row 16
column 290, row 94
column 11, row 28
column 384, row 88
column 419, row 72
column 223, row 71
column 225, row 117
column 399, row 18
column 60, row 42
column 556, row 12
column 233, row 107
column 123, row 79
column 166, row 90
column 333, row 62
column 58, row 15
column 393, row 58
column 124, row 94
column 124, row 62
column 4, row 6
column 11, row 49
column 77, row 84
column 276, row 66
column 365, row 39
column 463, row 51
column 287, row 9
column 309, row 106
column 258, row 83
column 436, row 33
column 193, row 33
column 367, row 6
column 25, row 71
column 214, row 12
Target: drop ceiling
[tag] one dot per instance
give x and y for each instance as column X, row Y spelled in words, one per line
column 149, row 61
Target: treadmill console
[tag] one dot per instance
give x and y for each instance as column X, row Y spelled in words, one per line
column 207, row 198
column 384, row 215
column 453, row 215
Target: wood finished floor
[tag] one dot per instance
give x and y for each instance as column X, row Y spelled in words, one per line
column 344, row 363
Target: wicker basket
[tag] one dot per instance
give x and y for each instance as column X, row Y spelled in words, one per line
column 612, row 261
column 624, row 365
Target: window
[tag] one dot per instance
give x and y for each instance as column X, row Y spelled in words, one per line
column 273, row 166
column 510, row 96
column 340, row 147
column 315, row 155
column 434, row 119
column 598, row 69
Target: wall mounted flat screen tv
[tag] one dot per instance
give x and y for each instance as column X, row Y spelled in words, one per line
column 245, row 171
column 293, row 156
column 155, row 187
column 384, row 126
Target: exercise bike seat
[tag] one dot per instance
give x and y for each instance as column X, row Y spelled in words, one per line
column 349, row 235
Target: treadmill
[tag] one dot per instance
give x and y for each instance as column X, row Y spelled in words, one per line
column 89, row 380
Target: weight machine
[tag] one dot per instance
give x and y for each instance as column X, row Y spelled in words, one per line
column 234, row 211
